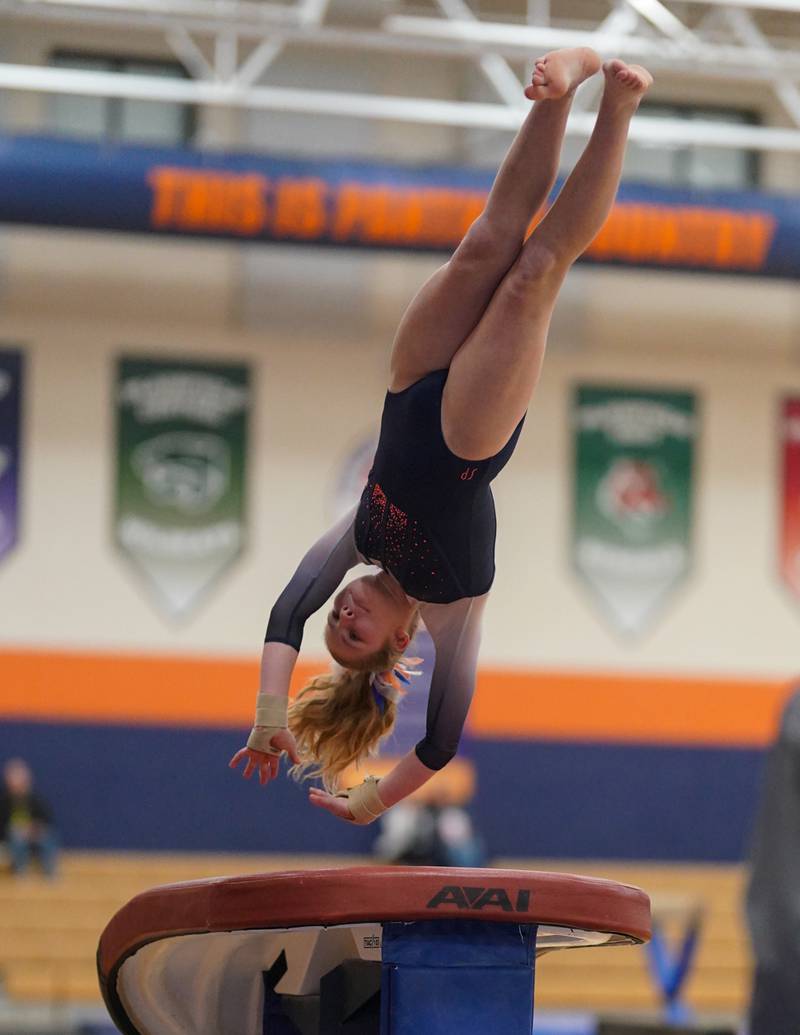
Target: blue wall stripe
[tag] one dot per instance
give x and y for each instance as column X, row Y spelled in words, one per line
column 616, row 801
column 151, row 788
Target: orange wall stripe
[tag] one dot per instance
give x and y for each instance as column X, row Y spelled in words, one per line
column 624, row 707
column 130, row 688
column 509, row 704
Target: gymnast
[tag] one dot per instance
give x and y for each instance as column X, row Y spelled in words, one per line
column 464, row 363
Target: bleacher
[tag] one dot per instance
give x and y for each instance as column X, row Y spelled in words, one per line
column 49, row 930
column 618, row 979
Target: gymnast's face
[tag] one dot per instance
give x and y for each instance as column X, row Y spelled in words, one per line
column 367, row 616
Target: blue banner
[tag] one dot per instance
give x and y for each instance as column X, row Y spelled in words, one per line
column 10, row 408
column 53, row 182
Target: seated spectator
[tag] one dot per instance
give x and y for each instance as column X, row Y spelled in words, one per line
column 26, row 824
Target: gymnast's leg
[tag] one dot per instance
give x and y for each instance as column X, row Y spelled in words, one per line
column 493, row 374
column 449, row 305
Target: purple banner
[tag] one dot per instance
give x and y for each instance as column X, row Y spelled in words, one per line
column 10, row 408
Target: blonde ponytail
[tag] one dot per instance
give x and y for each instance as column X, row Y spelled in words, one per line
column 338, row 719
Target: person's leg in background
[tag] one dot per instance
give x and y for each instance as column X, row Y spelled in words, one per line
column 19, row 850
column 46, row 847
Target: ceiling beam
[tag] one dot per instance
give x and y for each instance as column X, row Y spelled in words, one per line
column 701, row 60
column 228, row 45
column 657, row 131
column 496, row 69
column 434, row 37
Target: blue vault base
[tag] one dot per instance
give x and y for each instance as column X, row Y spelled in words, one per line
column 437, row 977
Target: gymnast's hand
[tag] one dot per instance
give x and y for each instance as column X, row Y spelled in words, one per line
column 268, row 766
column 335, row 804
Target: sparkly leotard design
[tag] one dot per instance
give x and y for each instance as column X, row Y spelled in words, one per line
column 427, row 517
column 397, row 543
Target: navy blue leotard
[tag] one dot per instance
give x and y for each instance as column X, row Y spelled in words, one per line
column 427, row 517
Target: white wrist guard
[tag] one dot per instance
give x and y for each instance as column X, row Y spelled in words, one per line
column 271, row 717
column 365, row 802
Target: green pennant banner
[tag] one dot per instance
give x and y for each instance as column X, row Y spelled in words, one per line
column 180, row 481
column 632, row 498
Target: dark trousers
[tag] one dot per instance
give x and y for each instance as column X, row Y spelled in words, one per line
column 775, row 1006
column 23, row 847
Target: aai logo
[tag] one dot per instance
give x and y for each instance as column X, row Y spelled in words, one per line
column 480, row 898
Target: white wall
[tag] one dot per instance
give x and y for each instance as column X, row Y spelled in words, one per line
column 76, row 301
column 315, row 325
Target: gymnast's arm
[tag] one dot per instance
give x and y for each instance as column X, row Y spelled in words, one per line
column 316, row 578
column 456, row 633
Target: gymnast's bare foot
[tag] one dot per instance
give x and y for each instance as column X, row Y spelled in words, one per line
column 626, row 84
column 560, row 73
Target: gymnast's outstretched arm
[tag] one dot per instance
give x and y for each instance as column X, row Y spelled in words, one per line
column 316, row 578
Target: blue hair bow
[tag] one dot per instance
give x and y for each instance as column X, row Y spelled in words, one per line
column 385, row 685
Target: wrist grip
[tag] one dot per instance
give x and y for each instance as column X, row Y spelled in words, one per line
column 365, row 802
column 272, row 710
column 272, row 714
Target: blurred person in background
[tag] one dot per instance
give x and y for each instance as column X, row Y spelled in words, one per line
column 773, row 895
column 429, row 834
column 26, row 822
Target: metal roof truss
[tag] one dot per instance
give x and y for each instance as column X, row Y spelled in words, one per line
column 228, row 46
